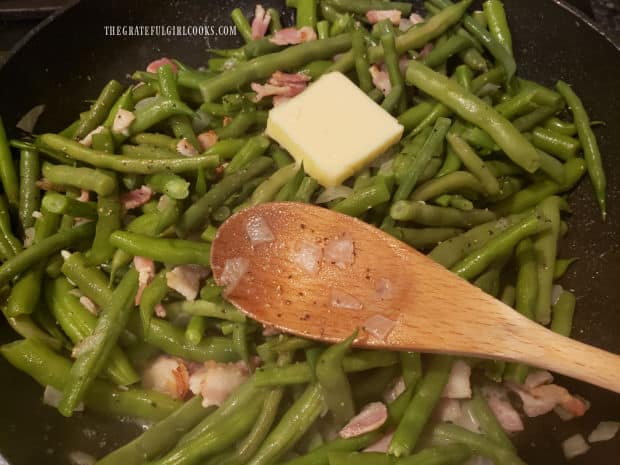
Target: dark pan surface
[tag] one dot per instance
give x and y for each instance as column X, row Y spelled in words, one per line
column 70, row 59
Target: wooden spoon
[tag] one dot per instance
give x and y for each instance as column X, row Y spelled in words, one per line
column 389, row 287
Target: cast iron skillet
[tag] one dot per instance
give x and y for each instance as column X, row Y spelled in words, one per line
column 69, row 59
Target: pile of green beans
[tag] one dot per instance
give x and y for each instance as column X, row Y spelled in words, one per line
column 478, row 182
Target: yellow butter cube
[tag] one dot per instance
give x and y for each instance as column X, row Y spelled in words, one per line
column 334, row 128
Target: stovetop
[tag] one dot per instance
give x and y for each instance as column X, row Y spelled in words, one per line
column 17, row 17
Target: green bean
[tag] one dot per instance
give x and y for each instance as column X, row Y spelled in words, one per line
column 561, row 266
column 197, row 214
column 545, row 248
column 242, row 24
column 457, row 181
column 306, row 13
column 488, row 281
column 99, row 110
column 559, row 145
column 498, row 24
column 334, row 383
column 275, row 24
column 474, row 164
column 530, row 120
column 172, row 185
column 421, row 406
column 91, row 281
column 552, row 167
column 241, row 123
column 319, row 456
column 563, row 310
column 171, row 251
column 415, row 115
column 103, row 141
column 122, row 164
column 160, row 437
column 269, row 188
column 442, row 52
column 361, row 60
column 414, row 38
column 262, row 67
column 195, row 329
column 90, row 362
column 171, row 340
column 295, row 422
column 156, row 140
column 142, row 90
column 152, row 295
column 474, row 110
column 26, row 292
column 430, row 215
column 438, row 111
column 37, row 252
column 364, row 199
column 253, row 149
column 477, row 443
column 29, row 330
column 591, row 151
column 362, row 6
column 82, row 178
column 63, row 205
column 51, row 369
column 527, row 279
column 451, row 454
column 537, row 191
column 502, row 168
column 221, row 310
column 78, row 324
column 558, row 126
column 395, row 100
column 422, row 238
column 517, row 105
column 360, row 458
column 29, row 194
column 125, row 102
column 488, row 422
column 147, row 151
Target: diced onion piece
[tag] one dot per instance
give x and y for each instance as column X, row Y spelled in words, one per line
column 372, row 417
column 340, row 299
column 167, row 375
column 78, row 457
column 307, row 256
column 384, row 288
column 88, row 139
column 122, row 121
column 448, row 410
column 334, row 193
column 185, row 148
column 556, row 292
column 467, row 419
column 458, row 386
column 381, row 445
column 379, row 326
column 574, row 446
column 216, row 381
column 144, row 102
column 185, row 279
column 87, row 344
column 234, row 270
column 29, row 120
column 52, row 397
column 340, row 251
column 537, row 378
column 500, row 405
column 395, row 390
column 604, row 431
column 258, row 231
column 416, row 18
column 89, row 305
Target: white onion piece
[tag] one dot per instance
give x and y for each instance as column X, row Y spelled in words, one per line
column 87, row 344
column 29, row 120
column 381, row 445
column 556, row 292
column 340, row 299
column 216, row 381
column 333, row 193
column 89, row 305
column 537, row 378
column 467, row 419
column 395, row 390
column 448, row 410
column 404, row 25
column 487, row 89
column 604, row 431
column 52, row 397
column 185, row 279
column 416, row 18
column 574, row 446
column 234, row 269
column 307, row 256
column 372, row 417
column 28, row 237
column 564, row 414
column 81, row 458
column 340, row 251
column 458, row 386
column 144, row 102
column 499, row 403
column 258, row 231
column 379, row 326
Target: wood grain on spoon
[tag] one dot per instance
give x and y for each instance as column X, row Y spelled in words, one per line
column 432, row 309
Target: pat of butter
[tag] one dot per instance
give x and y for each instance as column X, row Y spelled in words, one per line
column 334, row 128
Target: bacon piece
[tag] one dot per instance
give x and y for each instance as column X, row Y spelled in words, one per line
column 84, row 196
column 260, row 23
column 428, row 48
column 160, row 311
column 293, row 36
column 207, row 139
column 185, row 279
column 185, row 148
column 416, row 18
column 537, row 378
column 500, row 405
column 136, row 198
column 146, row 272
column 381, row 445
column 122, row 121
column 226, row 121
column 381, row 79
column 216, row 381
column 375, row 16
column 168, row 375
column 542, row 399
column 281, row 84
column 372, row 417
column 154, row 65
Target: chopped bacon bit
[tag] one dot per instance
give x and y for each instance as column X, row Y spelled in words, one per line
column 234, row 270
column 84, row 196
column 380, row 79
column 216, row 381
column 428, row 48
column 146, row 272
column 403, row 63
column 154, row 65
column 371, row 418
column 89, row 305
column 28, row 236
column 185, row 279
column 458, row 386
column 88, row 139
column 168, row 375
column 281, row 84
column 340, row 251
column 382, row 444
column 260, row 23
column 500, row 405
column 226, row 121
column 375, row 16
column 46, row 185
column 395, row 390
column 379, row 326
column 185, row 148
column 307, row 256
column 292, row 36
column 542, row 399
column 136, row 198
column 258, row 231
column 416, row 18
column 122, row 121
column 340, row 299
column 160, row 311
column 207, row 139
column 537, row 378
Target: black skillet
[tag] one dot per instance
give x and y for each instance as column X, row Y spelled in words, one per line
column 69, row 58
